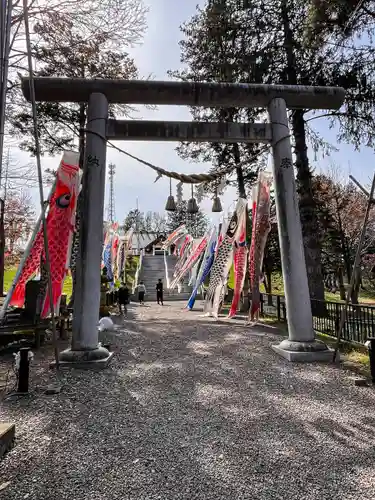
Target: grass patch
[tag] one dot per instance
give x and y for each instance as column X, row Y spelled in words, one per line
column 131, row 267
column 277, row 285
column 10, row 273
column 365, row 297
column 359, row 358
column 353, row 356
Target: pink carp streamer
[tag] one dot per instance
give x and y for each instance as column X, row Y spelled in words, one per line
column 261, row 229
column 115, row 248
column 124, row 246
column 175, row 236
column 240, row 265
column 183, row 252
column 193, row 257
column 253, row 231
column 60, row 227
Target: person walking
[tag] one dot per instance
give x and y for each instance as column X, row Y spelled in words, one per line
column 123, row 298
column 141, row 293
column 159, row 292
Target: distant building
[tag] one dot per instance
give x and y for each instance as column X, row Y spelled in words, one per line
column 151, row 243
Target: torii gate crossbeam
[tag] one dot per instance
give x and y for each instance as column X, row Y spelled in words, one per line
column 301, row 344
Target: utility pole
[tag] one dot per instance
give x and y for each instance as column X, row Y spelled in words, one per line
column 111, row 206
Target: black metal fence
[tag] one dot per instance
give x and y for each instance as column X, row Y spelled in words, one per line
column 359, row 324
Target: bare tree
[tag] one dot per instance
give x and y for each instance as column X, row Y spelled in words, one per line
column 19, row 219
column 154, row 222
column 18, row 176
column 341, row 207
column 110, row 26
column 122, row 21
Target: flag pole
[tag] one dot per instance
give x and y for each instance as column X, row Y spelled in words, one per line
column 137, row 226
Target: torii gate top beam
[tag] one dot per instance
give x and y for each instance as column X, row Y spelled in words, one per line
column 184, row 93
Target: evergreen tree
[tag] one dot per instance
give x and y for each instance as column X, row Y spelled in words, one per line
column 267, row 43
column 196, row 224
column 134, row 219
column 331, row 18
column 209, row 52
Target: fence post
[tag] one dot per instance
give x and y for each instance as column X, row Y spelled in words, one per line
column 23, row 371
column 278, row 303
column 337, row 319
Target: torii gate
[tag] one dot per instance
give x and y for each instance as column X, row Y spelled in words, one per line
column 301, row 344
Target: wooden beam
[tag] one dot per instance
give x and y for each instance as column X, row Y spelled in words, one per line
column 143, row 130
column 7, row 435
column 184, row 93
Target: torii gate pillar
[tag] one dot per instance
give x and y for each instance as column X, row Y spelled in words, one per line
column 301, row 344
column 85, row 351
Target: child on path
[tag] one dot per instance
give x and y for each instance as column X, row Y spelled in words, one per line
column 123, row 298
column 141, row 293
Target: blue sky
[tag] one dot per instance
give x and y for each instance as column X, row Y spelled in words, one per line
column 159, row 53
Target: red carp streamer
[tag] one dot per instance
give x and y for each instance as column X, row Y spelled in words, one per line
column 183, row 252
column 260, row 229
column 60, row 226
column 240, row 264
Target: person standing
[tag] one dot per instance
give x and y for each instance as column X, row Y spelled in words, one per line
column 141, row 293
column 159, row 292
column 123, row 298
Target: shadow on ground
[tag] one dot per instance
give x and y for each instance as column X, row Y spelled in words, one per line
column 194, row 409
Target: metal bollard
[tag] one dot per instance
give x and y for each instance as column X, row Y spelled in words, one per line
column 370, row 344
column 23, row 372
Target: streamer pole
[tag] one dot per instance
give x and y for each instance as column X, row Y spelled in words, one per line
column 40, row 179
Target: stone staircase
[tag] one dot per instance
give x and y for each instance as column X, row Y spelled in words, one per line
column 153, row 268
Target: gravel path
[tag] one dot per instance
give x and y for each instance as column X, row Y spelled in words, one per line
column 193, row 409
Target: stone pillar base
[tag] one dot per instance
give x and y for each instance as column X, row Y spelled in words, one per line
column 95, row 359
column 304, row 351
